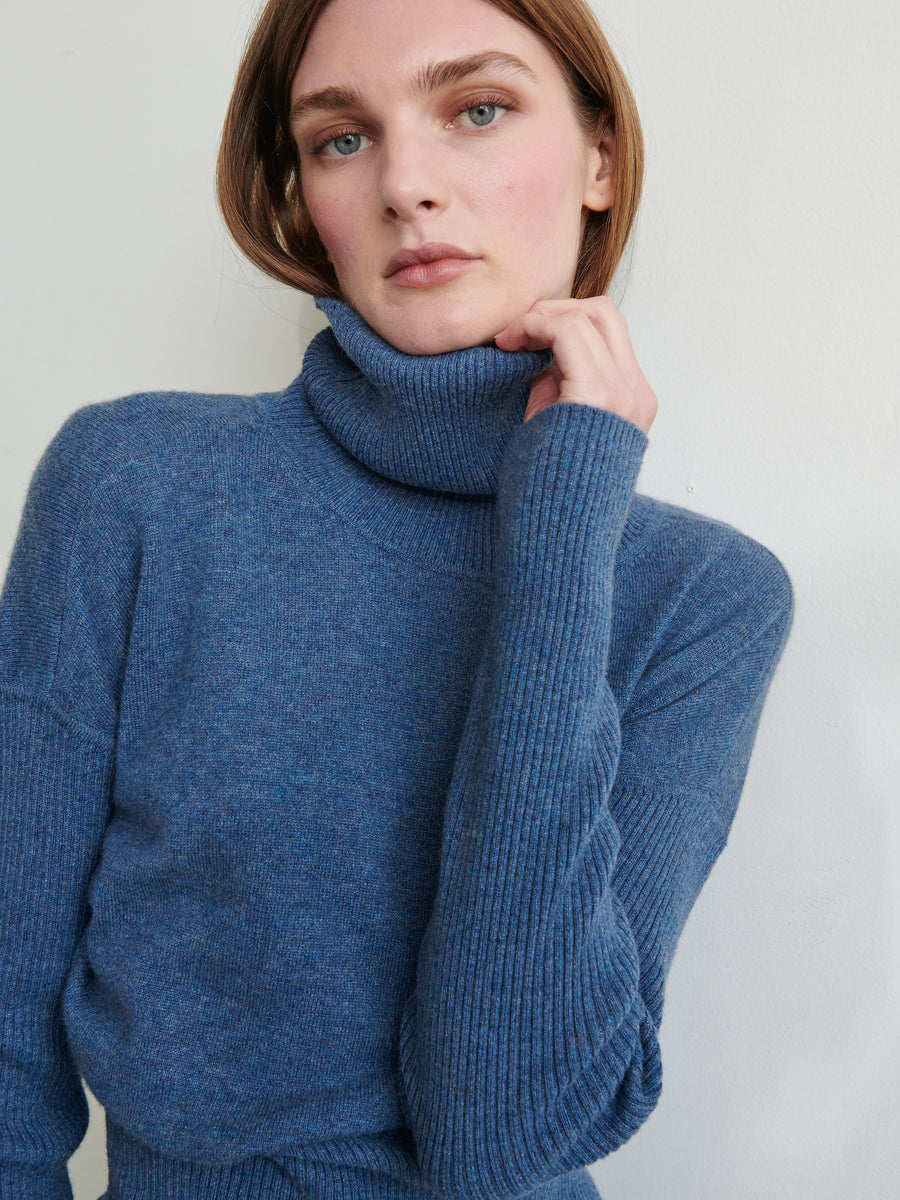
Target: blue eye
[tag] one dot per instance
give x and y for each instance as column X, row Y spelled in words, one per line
column 345, row 144
column 482, row 114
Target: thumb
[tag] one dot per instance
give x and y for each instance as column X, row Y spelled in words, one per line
column 544, row 391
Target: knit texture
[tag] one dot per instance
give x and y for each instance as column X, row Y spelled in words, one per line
column 363, row 750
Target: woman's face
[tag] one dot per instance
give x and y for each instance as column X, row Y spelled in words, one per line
column 442, row 129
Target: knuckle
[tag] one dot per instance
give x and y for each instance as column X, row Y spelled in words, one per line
column 605, row 313
column 545, row 307
column 574, row 316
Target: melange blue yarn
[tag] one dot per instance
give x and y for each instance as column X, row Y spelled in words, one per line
column 363, row 752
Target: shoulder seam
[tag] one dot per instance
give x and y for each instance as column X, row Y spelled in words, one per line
column 96, row 737
column 102, row 479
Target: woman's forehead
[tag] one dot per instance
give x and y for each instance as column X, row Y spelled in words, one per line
column 368, row 39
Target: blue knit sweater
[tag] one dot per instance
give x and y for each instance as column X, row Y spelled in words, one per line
column 363, row 751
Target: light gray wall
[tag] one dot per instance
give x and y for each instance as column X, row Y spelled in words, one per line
column 763, row 303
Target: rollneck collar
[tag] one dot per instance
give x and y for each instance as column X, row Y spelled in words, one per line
column 438, row 421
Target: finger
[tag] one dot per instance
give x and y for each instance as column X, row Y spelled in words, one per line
column 589, row 372
column 614, row 330
column 605, row 317
column 544, row 391
column 593, row 330
column 514, row 337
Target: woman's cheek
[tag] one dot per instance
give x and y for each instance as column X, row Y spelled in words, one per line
column 324, row 232
column 536, row 208
column 332, row 223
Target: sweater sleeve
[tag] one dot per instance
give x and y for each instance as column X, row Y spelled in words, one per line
column 64, row 617
column 687, row 735
column 528, row 1045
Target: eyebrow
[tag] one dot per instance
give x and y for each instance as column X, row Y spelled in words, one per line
column 430, row 78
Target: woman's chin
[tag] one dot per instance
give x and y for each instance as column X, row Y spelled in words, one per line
column 432, row 341
column 423, row 323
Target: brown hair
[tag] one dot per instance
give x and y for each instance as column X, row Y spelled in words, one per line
column 258, row 170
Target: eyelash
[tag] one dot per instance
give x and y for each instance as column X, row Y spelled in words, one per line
column 486, row 102
column 472, row 102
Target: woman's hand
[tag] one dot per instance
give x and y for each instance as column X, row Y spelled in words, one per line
column 594, row 362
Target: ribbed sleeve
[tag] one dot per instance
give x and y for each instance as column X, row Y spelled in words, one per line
column 528, row 1045
column 526, row 1024
column 64, row 617
column 687, row 736
column 53, row 812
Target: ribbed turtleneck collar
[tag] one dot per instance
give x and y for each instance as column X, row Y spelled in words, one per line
column 438, row 421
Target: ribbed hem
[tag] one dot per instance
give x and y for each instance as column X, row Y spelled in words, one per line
column 138, row 1173
column 27, row 1183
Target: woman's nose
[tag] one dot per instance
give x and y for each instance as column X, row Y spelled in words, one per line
column 412, row 179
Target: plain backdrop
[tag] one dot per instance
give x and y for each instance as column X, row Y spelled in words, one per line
column 762, row 296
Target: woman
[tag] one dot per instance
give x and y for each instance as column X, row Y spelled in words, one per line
column 366, row 744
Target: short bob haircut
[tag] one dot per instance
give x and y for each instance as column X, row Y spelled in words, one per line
column 258, row 170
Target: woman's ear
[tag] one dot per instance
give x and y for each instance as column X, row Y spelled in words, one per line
column 600, row 174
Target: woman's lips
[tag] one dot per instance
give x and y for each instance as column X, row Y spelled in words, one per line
column 425, row 266
column 427, row 274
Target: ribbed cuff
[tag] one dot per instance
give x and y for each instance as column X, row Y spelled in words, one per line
column 565, row 486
